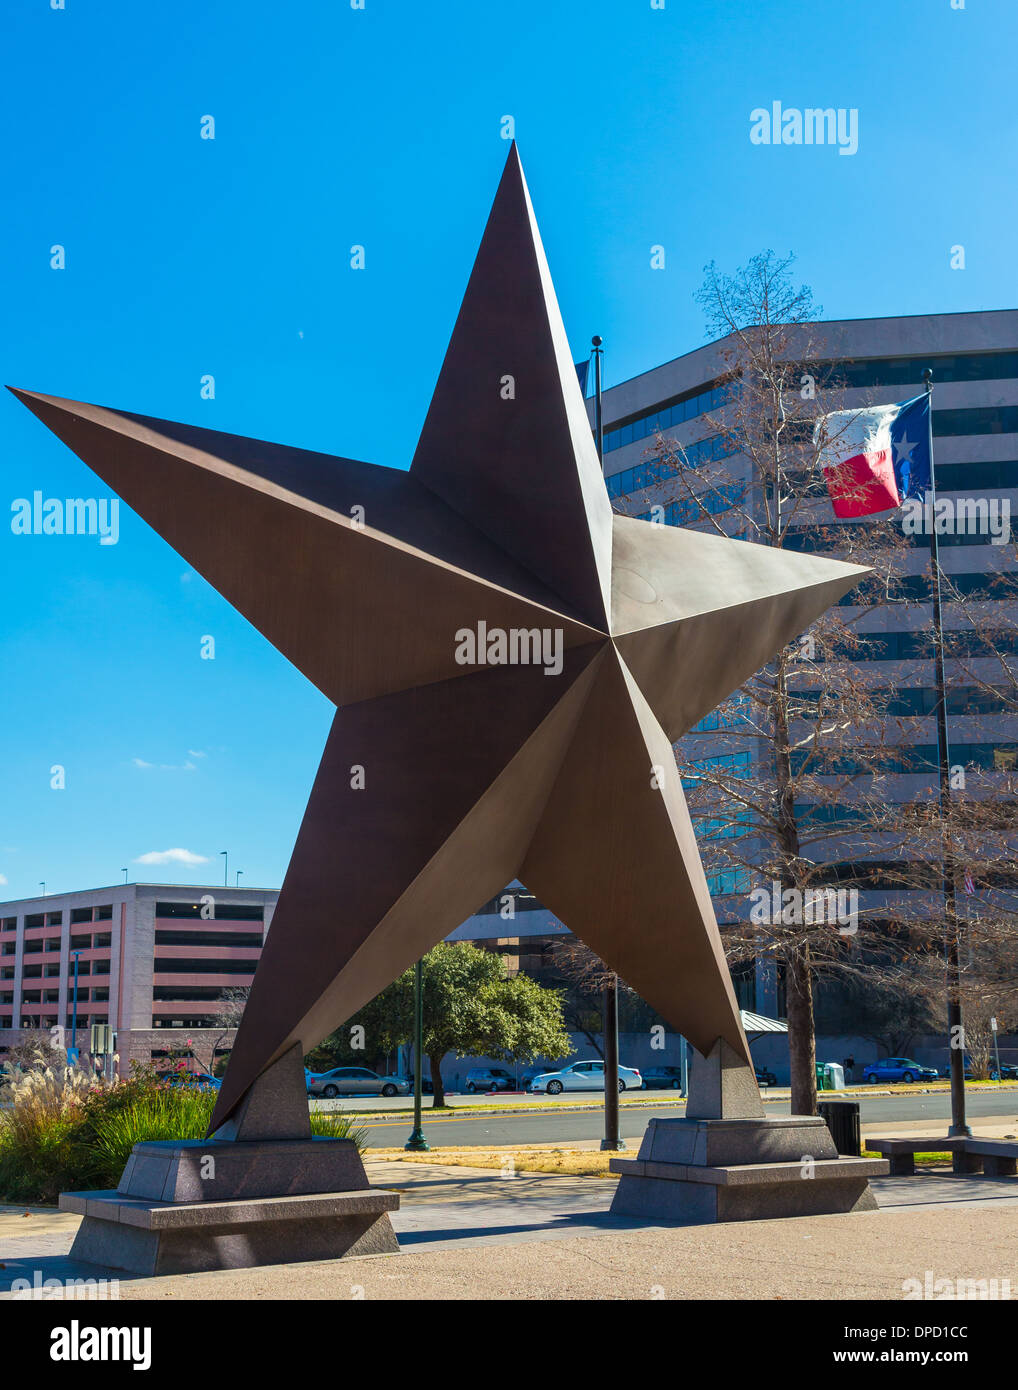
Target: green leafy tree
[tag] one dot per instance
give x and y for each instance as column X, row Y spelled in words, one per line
column 471, row 1007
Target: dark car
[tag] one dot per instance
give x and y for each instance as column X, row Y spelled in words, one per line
column 198, row 1080
column 765, row 1077
column 898, row 1069
column 1006, row 1072
column 662, row 1078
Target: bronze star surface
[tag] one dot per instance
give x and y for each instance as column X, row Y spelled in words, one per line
column 473, row 775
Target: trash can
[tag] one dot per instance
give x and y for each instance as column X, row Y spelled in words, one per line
column 821, row 1078
column 842, row 1119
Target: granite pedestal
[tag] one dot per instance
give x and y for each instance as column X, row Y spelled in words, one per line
column 252, row 1197
column 727, row 1161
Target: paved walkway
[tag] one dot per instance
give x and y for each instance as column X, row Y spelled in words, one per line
column 471, row 1233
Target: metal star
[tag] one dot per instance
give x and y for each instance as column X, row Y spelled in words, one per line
column 441, row 782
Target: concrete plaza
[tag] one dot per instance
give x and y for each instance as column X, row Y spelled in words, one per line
column 469, row 1233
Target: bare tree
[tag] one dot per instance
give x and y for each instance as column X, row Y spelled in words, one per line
column 802, row 786
column 229, row 1011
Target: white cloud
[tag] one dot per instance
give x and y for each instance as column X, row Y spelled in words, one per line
column 196, row 753
column 3, row 878
column 171, row 856
column 187, row 766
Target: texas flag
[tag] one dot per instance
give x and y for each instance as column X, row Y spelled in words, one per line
column 876, row 457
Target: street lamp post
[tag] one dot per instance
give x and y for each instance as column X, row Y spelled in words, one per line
column 226, row 867
column 74, row 1007
column 124, row 872
column 239, row 872
column 611, row 1138
column 417, row 1142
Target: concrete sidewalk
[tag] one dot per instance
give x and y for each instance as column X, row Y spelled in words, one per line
column 470, row 1233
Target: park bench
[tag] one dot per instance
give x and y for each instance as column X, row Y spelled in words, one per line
column 995, row 1158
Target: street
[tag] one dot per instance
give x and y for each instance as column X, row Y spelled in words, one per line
column 549, row 1125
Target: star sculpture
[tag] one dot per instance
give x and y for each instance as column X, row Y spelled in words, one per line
column 445, row 777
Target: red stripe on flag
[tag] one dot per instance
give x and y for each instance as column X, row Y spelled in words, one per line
column 863, row 484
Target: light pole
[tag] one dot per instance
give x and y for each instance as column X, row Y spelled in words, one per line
column 74, row 1007
column 611, row 1138
column 417, row 1142
column 226, row 867
column 239, row 872
column 124, row 872
column 42, row 885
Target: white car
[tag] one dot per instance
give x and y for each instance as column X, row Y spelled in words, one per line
column 584, row 1076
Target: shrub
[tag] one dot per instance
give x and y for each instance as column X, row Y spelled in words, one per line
column 66, row 1132
column 333, row 1125
column 39, row 1129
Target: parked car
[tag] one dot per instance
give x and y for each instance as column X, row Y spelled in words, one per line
column 1006, row 1072
column 765, row 1077
column 899, row 1069
column 658, row 1078
column 584, row 1076
column 199, row 1080
column 489, row 1079
column 354, row 1081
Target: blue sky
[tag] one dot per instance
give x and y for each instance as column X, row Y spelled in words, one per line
column 381, row 127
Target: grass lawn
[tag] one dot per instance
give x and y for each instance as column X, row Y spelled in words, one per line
column 533, row 1158
column 570, row 1163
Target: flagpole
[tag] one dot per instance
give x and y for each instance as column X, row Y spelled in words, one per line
column 955, row 1029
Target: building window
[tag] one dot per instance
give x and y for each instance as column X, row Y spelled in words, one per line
column 224, row 912
column 167, row 966
column 208, row 938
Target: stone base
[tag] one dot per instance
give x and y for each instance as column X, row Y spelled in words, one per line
column 186, row 1207
column 698, row 1171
